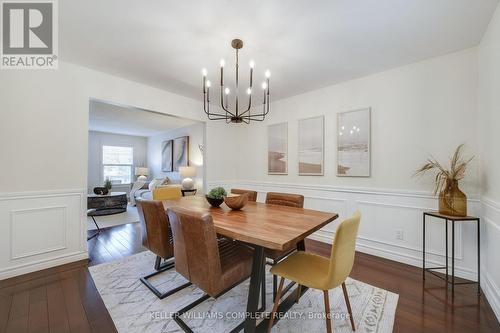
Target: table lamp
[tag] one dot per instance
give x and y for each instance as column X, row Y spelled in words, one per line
column 142, row 173
column 186, row 173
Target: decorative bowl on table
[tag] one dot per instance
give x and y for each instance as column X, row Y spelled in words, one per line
column 236, row 201
column 214, row 202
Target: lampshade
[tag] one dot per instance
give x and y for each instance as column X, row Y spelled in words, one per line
column 187, row 171
column 141, row 171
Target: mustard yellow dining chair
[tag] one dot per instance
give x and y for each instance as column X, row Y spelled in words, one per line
column 167, row 193
column 317, row 272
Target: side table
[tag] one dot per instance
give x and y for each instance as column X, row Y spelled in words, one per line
column 452, row 219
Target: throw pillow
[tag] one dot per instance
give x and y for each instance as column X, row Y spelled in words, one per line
column 154, row 183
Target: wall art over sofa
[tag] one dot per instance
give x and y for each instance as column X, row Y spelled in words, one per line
column 166, row 156
column 181, row 152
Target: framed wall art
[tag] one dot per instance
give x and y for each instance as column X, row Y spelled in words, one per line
column 277, row 149
column 353, row 143
column 311, row 146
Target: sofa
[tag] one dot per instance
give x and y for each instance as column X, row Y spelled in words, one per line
column 145, row 192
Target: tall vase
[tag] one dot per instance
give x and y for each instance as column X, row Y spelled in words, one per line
column 452, row 201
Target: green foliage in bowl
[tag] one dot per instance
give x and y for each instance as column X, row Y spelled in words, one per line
column 217, row 193
column 108, row 184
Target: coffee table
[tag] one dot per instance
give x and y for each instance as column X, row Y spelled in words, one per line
column 109, row 204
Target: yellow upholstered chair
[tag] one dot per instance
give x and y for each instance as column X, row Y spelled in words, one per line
column 317, row 272
column 167, row 193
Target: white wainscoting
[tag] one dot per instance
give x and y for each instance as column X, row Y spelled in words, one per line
column 490, row 264
column 384, row 213
column 41, row 230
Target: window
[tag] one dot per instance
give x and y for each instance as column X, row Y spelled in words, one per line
column 117, row 164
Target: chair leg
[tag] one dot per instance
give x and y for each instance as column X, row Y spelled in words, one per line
column 327, row 312
column 299, row 289
column 276, row 303
column 263, row 289
column 160, row 269
column 346, row 297
column 275, row 282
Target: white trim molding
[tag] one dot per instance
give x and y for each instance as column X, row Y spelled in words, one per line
column 490, row 247
column 386, row 212
column 44, row 229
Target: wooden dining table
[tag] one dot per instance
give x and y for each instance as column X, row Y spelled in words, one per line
column 262, row 226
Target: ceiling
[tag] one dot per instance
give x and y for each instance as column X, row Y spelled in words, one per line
column 110, row 118
column 306, row 44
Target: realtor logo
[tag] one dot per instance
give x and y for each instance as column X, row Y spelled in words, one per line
column 29, row 34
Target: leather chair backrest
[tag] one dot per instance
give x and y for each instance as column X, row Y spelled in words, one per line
column 155, row 227
column 252, row 195
column 343, row 250
column 196, row 248
column 285, row 199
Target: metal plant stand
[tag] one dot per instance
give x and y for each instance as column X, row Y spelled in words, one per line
column 447, row 278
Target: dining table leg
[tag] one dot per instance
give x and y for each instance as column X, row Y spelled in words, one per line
column 254, row 289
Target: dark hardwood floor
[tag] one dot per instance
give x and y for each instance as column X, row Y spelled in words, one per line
column 64, row 299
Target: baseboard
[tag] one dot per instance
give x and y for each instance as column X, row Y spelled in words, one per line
column 43, row 264
column 364, row 246
column 492, row 292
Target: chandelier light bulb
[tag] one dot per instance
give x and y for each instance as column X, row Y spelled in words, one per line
column 204, row 72
column 268, row 74
column 209, row 83
column 264, row 85
column 249, row 91
column 222, row 63
column 227, row 91
column 252, row 64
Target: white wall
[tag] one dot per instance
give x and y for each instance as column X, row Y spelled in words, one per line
column 417, row 110
column 99, row 139
column 196, row 133
column 489, row 134
column 44, row 147
column 420, row 109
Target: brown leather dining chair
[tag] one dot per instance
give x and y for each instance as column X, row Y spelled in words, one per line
column 282, row 199
column 157, row 237
column 213, row 265
column 252, row 195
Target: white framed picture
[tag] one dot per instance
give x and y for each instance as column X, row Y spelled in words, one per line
column 353, row 143
column 277, row 149
column 311, row 146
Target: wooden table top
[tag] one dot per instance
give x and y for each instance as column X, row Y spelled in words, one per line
column 270, row 226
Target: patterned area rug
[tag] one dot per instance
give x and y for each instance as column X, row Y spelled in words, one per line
column 135, row 309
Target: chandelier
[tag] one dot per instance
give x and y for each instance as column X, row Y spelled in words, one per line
column 233, row 114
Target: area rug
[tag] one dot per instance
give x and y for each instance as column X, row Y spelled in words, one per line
column 106, row 221
column 134, row 308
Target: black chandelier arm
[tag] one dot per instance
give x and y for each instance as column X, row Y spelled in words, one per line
column 249, row 105
column 249, row 95
column 265, row 110
column 206, row 108
column 222, row 102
